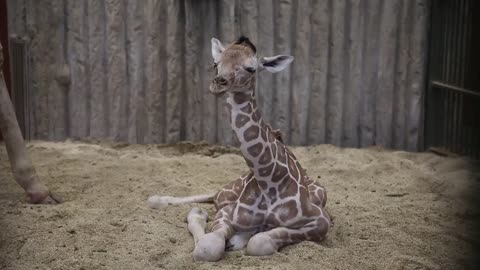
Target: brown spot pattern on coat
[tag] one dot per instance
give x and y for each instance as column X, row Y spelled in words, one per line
column 292, row 168
column 263, row 134
column 255, row 116
column 244, row 216
column 251, row 133
column 255, row 150
column 266, row 157
column 272, row 195
column 262, row 205
column 262, row 184
column 266, row 171
column 286, row 211
column 281, row 157
column 241, row 120
column 279, row 173
column 290, row 189
column 250, row 194
column 247, row 109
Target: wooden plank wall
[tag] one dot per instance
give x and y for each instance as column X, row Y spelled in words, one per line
column 138, row 71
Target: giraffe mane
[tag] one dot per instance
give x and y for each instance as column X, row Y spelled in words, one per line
column 243, row 40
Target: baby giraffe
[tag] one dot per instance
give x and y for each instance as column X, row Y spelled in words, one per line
column 273, row 205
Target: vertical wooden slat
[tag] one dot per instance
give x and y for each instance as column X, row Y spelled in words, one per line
column 301, row 83
column 369, row 74
column 36, row 25
column 155, row 69
column 96, row 65
column 226, row 35
column 462, row 39
column 175, row 67
column 354, row 21
column 386, row 72
column 209, row 110
column 320, row 51
column 248, row 19
column 457, row 40
column 193, row 83
column 77, row 60
column 335, row 74
column 16, row 13
column 417, row 76
column 116, row 68
column 402, row 54
column 28, row 14
column 56, row 66
column 265, row 45
column 135, row 71
column 281, row 98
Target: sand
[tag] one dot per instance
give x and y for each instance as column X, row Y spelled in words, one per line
column 392, row 209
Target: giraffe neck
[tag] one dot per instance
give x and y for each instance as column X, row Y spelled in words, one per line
column 257, row 142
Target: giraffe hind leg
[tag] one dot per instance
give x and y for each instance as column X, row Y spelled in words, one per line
column 157, row 201
column 269, row 242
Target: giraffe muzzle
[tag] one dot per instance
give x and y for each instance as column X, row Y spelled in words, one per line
column 218, row 86
column 220, row 81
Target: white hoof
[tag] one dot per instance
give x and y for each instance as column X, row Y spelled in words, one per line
column 261, row 245
column 210, row 248
column 238, row 241
column 156, row 201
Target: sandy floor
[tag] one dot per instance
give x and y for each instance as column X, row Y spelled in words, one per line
column 392, row 210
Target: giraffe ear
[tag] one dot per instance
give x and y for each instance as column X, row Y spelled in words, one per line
column 276, row 63
column 217, row 49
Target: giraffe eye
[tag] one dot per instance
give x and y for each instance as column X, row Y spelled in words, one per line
column 249, row 69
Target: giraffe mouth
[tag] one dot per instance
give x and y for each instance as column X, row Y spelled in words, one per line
column 217, row 92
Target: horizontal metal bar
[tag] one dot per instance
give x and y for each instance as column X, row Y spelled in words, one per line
column 454, row 88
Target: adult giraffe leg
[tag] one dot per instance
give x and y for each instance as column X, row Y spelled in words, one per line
column 22, row 167
column 269, row 242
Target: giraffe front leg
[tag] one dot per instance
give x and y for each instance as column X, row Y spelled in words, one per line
column 211, row 246
column 269, row 242
column 197, row 223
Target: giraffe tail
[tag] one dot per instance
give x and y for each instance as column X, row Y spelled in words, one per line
column 157, row 201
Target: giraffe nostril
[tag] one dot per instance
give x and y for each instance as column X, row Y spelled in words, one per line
column 220, row 81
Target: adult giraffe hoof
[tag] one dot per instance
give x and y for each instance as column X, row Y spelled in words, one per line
column 44, row 198
column 261, row 245
column 210, row 248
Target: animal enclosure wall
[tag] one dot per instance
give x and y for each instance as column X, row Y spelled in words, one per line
column 138, row 71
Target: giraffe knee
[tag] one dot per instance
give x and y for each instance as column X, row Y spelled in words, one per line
column 261, row 245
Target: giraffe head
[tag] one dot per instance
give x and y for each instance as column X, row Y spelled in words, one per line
column 236, row 65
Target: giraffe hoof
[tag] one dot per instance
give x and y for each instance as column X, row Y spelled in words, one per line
column 44, row 198
column 157, row 202
column 209, row 248
column 260, row 245
column 236, row 242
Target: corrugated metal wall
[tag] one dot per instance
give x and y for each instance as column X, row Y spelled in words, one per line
column 138, row 71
